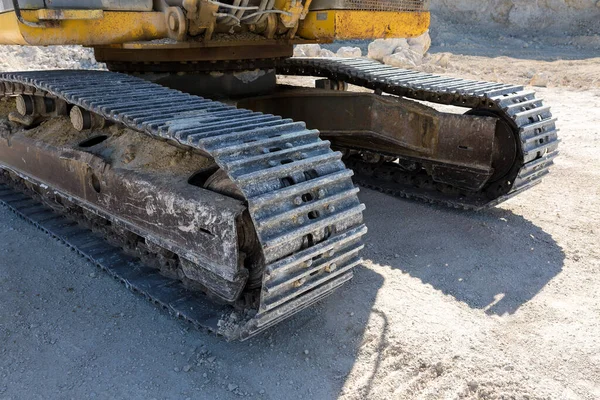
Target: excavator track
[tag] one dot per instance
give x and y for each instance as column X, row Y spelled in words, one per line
column 274, row 162
column 529, row 118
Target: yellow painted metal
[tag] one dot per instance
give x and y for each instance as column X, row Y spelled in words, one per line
column 47, row 14
column 327, row 25
column 113, row 27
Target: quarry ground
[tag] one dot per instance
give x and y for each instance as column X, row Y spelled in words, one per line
column 499, row 304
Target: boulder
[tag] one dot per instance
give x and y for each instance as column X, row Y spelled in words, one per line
column 326, row 53
column 307, row 50
column 420, row 44
column 349, row 52
column 404, row 58
column 381, row 48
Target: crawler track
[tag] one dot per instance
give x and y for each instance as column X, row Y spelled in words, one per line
column 309, row 243
column 531, row 121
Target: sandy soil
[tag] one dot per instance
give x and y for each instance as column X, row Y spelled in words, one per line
column 448, row 304
column 501, row 304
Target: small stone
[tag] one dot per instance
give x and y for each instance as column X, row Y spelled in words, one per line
column 176, row 369
column 352, row 314
column 231, row 387
column 539, row 80
column 396, row 255
column 211, row 359
column 261, row 391
column 204, row 375
column 92, row 275
column 187, row 368
column 306, row 352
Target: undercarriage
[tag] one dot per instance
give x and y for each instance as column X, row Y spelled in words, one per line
column 237, row 209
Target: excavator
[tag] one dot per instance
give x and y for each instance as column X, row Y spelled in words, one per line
column 191, row 173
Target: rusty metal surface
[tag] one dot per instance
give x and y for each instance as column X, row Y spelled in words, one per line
column 450, row 145
column 532, row 123
column 300, row 196
column 196, row 224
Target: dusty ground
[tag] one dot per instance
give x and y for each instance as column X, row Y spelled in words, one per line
column 448, row 304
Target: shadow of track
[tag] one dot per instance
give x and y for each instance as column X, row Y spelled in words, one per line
column 492, row 260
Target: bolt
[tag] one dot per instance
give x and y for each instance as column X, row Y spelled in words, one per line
column 265, row 151
column 273, row 163
column 298, row 200
column 330, row 253
column 300, row 220
column 331, row 267
column 331, row 208
column 321, row 193
column 289, row 145
column 308, row 263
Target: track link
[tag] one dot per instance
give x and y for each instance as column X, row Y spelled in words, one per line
column 529, row 118
column 300, row 196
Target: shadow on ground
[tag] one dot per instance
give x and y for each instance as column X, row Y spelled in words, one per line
column 492, row 260
column 70, row 334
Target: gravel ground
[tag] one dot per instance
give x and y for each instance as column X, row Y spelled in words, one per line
column 499, row 304
column 448, row 304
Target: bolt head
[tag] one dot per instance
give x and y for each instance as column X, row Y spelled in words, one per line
column 298, row 200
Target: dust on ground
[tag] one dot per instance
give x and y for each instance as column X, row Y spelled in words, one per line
column 499, row 304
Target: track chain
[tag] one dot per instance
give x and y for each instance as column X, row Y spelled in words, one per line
column 529, row 118
column 300, row 196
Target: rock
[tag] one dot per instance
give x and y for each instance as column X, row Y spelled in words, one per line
column 187, row 368
column 307, row 50
column 231, row 387
column 380, row 48
column 473, row 386
column 440, row 59
column 211, row 359
column 306, row 352
column 92, row 275
column 420, row 44
column 176, row 369
column 539, row 80
column 349, row 52
column 404, row 58
column 261, row 391
column 326, row 53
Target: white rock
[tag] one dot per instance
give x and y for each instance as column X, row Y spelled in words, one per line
column 420, row 43
column 380, row 48
column 349, row 52
column 307, row 50
column 404, row 58
column 539, row 80
column 326, row 53
column 299, row 52
column 440, row 59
